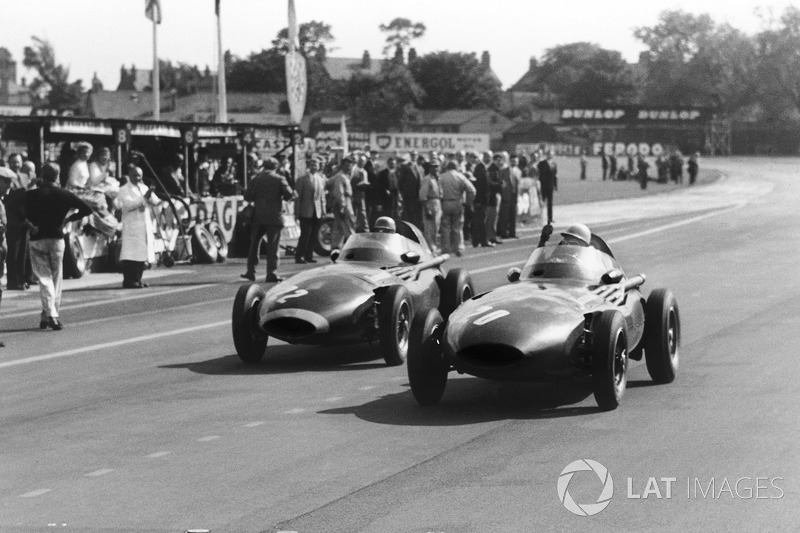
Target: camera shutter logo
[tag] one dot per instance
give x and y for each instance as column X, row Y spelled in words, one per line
column 585, row 509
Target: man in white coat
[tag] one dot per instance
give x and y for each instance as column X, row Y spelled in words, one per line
column 137, row 229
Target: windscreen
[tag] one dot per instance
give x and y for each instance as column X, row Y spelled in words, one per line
column 380, row 247
column 565, row 261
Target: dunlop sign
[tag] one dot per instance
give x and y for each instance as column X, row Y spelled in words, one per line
column 440, row 142
column 633, row 114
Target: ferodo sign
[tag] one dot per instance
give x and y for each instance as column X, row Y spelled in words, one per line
column 633, row 148
column 441, row 142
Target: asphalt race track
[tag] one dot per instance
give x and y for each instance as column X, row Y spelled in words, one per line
column 138, row 416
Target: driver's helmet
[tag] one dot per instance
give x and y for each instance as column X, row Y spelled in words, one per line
column 385, row 225
column 580, row 232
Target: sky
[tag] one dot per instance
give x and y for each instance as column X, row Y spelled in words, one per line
column 101, row 35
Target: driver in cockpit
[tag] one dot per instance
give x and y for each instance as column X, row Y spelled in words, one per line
column 577, row 235
column 385, row 225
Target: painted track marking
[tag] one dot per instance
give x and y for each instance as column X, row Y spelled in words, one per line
column 98, row 473
column 625, row 237
column 37, row 311
column 34, row 493
column 95, row 347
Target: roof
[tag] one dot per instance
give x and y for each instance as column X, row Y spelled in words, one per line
column 267, row 107
column 343, row 68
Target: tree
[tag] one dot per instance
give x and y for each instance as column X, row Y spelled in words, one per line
column 262, row 71
column 584, row 74
column 314, row 39
column 455, row 81
column 779, row 72
column 400, row 32
column 693, row 61
column 51, row 88
column 386, row 100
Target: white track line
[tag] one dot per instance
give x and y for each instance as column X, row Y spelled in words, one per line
column 37, row 311
column 34, row 493
column 624, row 237
column 98, row 473
column 95, row 347
column 171, row 333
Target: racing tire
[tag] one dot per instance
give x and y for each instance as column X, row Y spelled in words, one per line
column 203, row 244
column 395, row 313
column 662, row 336
column 250, row 341
column 610, row 360
column 183, row 212
column 322, row 240
column 427, row 368
column 457, row 289
column 74, row 259
column 219, row 241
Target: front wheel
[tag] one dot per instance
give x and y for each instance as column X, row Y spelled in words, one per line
column 662, row 335
column 610, row 360
column 457, row 289
column 395, row 311
column 249, row 339
column 427, row 368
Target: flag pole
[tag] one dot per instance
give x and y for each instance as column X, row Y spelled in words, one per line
column 156, row 82
column 222, row 115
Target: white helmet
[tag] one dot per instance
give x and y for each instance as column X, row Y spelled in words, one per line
column 580, row 232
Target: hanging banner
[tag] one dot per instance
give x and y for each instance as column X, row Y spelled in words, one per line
column 440, row 142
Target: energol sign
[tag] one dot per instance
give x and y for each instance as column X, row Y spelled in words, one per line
column 441, row 142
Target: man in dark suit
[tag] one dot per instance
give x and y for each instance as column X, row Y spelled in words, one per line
column 384, row 191
column 409, row 180
column 309, row 207
column 266, row 191
column 481, row 184
column 496, row 165
column 548, row 181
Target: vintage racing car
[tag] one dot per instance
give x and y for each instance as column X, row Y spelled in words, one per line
column 571, row 312
column 371, row 292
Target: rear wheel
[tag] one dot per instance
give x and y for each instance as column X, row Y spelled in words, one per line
column 203, row 244
column 457, row 289
column 395, row 312
column 427, row 368
column 610, row 360
column 662, row 331
column 249, row 339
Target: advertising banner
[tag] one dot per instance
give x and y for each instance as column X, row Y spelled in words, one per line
column 440, row 142
column 557, row 148
column 635, row 114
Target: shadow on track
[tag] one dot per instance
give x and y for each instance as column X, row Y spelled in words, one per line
column 473, row 401
column 286, row 359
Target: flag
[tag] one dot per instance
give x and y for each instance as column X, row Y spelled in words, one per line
column 152, row 10
column 216, row 7
column 292, row 27
column 345, row 148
